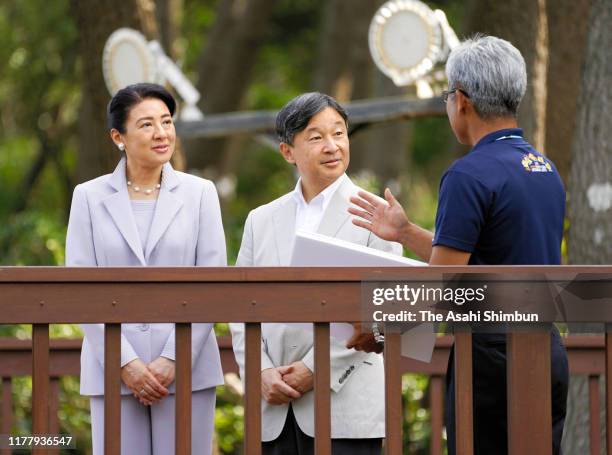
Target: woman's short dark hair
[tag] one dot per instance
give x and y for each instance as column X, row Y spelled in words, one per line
column 128, row 97
column 296, row 114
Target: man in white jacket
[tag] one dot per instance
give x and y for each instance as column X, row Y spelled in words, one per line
column 312, row 129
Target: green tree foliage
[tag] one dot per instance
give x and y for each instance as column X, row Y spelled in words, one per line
column 39, row 93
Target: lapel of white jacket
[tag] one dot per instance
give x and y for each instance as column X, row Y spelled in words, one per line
column 166, row 208
column 120, row 209
column 336, row 213
column 284, row 226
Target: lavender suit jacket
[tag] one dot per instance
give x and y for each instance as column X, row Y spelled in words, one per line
column 186, row 231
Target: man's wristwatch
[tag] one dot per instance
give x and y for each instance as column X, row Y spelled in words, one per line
column 378, row 337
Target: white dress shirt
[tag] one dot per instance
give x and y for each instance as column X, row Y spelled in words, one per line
column 308, row 215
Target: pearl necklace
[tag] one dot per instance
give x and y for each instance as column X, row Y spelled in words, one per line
column 137, row 189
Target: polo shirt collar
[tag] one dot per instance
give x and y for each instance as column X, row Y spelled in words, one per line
column 495, row 135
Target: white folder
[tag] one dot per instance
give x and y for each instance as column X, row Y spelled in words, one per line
column 316, row 250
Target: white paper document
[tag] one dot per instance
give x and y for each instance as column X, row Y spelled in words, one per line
column 316, row 250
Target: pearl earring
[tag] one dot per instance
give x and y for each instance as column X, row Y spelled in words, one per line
column 121, row 146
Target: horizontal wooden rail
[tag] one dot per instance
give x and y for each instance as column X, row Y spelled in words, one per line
column 54, row 295
column 37, row 275
column 586, row 354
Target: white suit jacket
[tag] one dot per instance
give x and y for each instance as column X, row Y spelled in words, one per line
column 186, row 231
column 357, row 379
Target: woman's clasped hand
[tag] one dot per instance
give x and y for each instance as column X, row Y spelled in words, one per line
column 148, row 383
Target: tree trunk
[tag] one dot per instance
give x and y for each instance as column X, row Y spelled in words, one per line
column 164, row 18
column 225, row 67
column 524, row 24
column 96, row 21
column 146, row 11
column 347, row 72
column 590, row 191
column 345, row 68
column 567, row 31
column 169, row 15
column 388, row 140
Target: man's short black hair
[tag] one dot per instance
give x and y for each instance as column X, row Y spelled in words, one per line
column 296, row 114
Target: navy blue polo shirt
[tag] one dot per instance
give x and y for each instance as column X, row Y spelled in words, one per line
column 503, row 202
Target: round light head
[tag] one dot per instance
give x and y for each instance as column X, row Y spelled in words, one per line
column 405, row 40
column 127, row 60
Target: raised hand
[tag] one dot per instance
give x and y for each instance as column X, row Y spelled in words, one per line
column 385, row 218
column 145, row 387
column 274, row 390
column 299, row 377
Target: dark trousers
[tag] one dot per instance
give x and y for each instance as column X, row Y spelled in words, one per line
column 293, row 441
column 489, row 388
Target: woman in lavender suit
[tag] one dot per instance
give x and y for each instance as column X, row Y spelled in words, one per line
column 147, row 214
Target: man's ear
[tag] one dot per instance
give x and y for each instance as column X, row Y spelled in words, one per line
column 464, row 105
column 287, row 151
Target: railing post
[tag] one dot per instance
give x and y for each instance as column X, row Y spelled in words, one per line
column 182, row 432
column 321, row 389
column 40, row 381
column 529, row 393
column 112, row 389
column 393, row 393
column 436, row 405
column 594, row 410
column 609, row 389
column 252, row 396
column 54, row 426
column 464, row 417
column 7, row 410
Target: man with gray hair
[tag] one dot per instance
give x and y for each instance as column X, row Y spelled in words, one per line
column 502, row 203
column 312, row 130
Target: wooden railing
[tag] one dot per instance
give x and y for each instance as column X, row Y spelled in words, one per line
column 41, row 296
column 586, row 356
